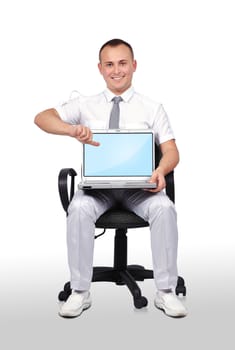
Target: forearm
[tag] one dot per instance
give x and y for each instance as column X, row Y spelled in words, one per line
column 50, row 121
column 170, row 158
column 168, row 163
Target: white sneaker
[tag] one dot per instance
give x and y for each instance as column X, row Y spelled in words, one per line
column 170, row 304
column 75, row 304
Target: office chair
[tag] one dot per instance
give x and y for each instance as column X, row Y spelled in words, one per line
column 121, row 220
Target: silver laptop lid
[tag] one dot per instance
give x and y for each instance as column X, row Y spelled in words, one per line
column 122, row 155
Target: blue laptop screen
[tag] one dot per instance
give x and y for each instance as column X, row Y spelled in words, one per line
column 119, row 154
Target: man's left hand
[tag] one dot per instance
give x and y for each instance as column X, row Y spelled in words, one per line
column 159, row 178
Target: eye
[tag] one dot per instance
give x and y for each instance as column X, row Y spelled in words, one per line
column 109, row 64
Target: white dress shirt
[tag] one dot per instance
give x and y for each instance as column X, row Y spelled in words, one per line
column 136, row 112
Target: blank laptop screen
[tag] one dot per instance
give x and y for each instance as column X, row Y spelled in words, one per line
column 119, row 154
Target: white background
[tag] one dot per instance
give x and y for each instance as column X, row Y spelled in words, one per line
column 185, row 54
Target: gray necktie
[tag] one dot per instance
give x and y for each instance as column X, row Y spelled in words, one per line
column 115, row 113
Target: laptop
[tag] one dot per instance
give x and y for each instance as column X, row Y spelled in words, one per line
column 124, row 159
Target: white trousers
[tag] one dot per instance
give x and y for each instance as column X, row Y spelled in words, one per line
column 156, row 208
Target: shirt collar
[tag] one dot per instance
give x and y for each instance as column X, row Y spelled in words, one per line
column 126, row 96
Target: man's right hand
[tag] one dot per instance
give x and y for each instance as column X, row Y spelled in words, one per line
column 83, row 134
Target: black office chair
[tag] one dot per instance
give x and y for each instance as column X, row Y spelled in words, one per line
column 121, row 220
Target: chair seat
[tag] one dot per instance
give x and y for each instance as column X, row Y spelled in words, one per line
column 120, row 218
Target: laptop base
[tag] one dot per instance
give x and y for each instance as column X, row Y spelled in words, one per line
column 116, row 185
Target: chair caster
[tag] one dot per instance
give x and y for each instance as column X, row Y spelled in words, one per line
column 180, row 281
column 64, row 294
column 67, row 287
column 140, row 302
column 180, row 288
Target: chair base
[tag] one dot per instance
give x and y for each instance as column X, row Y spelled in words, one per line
column 128, row 277
column 123, row 274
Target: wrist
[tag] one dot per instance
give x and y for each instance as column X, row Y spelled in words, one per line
column 160, row 170
column 72, row 130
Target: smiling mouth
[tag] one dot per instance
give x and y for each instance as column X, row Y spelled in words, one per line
column 117, row 78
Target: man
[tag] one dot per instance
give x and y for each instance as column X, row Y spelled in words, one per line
column 76, row 118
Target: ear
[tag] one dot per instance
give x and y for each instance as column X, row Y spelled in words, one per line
column 135, row 65
column 100, row 67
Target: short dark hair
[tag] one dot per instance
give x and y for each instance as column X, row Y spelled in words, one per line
column 116, row 42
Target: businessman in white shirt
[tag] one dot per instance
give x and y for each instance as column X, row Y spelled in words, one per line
column 76, row 118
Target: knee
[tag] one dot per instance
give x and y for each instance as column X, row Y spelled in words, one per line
column 164, row 206
column 84, row 205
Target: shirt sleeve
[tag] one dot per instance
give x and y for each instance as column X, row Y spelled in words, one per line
column 162, row 126
column 70, row 111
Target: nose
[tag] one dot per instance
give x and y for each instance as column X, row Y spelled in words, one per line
column 116, row 69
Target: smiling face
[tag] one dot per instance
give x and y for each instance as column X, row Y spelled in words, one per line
column 117, row 66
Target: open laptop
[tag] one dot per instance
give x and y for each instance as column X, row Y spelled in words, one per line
column 124, row 159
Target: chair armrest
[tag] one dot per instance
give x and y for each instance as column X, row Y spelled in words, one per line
column 170, row 186
column 64, row 186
